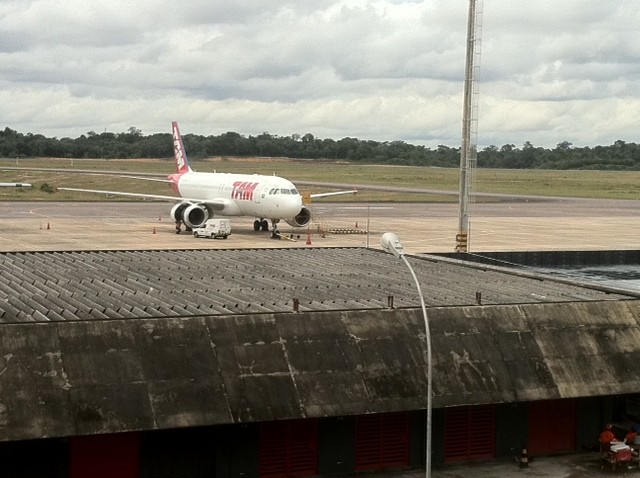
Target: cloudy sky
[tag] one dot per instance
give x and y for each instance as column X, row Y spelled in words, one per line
column 550, row 71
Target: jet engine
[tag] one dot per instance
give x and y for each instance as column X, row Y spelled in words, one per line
column 193, row 215
column 301, row 219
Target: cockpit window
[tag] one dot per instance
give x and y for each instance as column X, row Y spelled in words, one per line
column 293, row 191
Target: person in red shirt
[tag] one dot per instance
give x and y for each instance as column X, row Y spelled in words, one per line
column 606, row 437
column 630, row 438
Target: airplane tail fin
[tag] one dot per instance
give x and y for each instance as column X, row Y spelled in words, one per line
column 179, row 154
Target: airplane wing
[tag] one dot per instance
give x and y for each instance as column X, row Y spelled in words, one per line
column 15, row 185
column 335, row 193
column 306, row 197
column 147, row 178
column 215, row 204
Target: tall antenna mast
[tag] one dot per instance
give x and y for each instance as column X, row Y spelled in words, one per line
column 468, row 150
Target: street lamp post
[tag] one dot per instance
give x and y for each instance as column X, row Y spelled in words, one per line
column 390, row 242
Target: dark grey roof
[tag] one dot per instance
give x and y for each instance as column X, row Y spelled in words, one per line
column 62, row 286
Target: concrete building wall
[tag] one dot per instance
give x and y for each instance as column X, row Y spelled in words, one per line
column 78, row 378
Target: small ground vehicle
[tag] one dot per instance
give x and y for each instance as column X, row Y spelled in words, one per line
column 213, row 229
column 618, row 454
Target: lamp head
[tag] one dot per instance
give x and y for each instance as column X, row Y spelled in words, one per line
column 390, row 242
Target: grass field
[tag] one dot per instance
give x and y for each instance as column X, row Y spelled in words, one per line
column 588, row 184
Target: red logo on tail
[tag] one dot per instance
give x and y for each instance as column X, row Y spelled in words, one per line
column 182, row 166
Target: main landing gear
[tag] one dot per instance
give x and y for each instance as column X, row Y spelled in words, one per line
column 260, row 225
column 263, row 225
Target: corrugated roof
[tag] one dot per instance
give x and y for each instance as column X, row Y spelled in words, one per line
column 61, row 286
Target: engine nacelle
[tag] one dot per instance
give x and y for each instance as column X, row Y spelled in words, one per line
column 301, row 219
column 193, row 215
column 178, row 209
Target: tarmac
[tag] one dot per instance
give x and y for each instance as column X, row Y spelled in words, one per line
column 580, row 465
column 513, row 225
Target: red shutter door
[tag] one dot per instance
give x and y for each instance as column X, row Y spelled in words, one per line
column 470, row 434
column 289, row 449
column 382, row 441
column 552, row 426
column 303, row 448
column 105, row 456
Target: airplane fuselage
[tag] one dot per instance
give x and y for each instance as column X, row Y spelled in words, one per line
column 228, row 194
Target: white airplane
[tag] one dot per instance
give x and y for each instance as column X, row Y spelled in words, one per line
column 204, row 195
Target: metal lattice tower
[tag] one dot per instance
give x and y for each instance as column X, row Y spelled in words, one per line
column 468, row 149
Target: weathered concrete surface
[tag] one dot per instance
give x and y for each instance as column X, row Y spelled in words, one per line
column 74, row 378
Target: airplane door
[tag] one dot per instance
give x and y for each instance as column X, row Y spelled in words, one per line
column 261, row 192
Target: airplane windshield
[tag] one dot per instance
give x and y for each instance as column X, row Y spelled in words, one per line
column 283, row 191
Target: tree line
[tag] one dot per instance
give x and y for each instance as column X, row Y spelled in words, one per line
column 133, row 144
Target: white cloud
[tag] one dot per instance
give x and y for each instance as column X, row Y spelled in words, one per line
column 381, row 70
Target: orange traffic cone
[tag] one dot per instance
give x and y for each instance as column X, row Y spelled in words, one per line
column 308, row 238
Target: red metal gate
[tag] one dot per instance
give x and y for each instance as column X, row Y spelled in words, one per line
column 382, row 441
column 470, row 433
column 552, row 426
column 289, row 449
